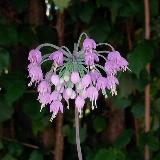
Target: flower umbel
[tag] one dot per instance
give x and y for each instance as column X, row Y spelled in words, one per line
column 78, row 76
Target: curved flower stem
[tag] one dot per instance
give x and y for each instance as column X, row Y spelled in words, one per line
column 106, row 44
column 79, row 40
column 102, row 56
column 77, row 135
column 101, row 67
column 53, row 46
column 66, row 48
column 103, row 52
column 45, row 60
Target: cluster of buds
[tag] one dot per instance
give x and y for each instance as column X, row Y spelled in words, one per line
column 78, row 75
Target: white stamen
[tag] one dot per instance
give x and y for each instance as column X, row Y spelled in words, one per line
column 42, row 106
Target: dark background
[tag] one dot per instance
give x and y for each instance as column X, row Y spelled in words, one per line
column 122, row 126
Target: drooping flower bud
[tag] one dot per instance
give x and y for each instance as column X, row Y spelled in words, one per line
column 55, row 80
column 79, row 103
column 44, row 87
column 35, row 56
column 86, row 80
column 57, row 57
column 75, row 78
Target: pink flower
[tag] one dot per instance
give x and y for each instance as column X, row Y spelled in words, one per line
column 73, row 96
column 83, row 93
column 60, row 88
column 101, row 83
column 89, row 44
column 90, row 58
column 79, row 102
column 111, row 68
column 75, row 77
column 69, row 92
column 112, row 82
column 86, row 80
column 44, row 87
column 92, row 94
column 44, row 99
column 57, row 57
column 55, row 96
column 35, row 73
column 123, row 64
column 55, row 107
column 55, row 80
column 94, row 75
column 114, row 56
column 115, row 63
column 35, row 56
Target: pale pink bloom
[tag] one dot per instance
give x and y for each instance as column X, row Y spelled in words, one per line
column 44, row 87
column 92, row 94
column 57, row 57
column 55, row 107
column 55, row 96
column 89, row 44
column 86, row 80
column 101, row 83
column 79, row 103
column 75, row 78
column 55, row 80
column 44, row 99
column 35, row 56
column 35, row 73
column 112, row 82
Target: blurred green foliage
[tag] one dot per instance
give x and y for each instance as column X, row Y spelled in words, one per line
column 119, row 22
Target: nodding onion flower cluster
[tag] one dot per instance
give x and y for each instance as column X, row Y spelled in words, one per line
column 75, row 76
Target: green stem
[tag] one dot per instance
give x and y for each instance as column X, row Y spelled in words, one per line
column 106, row 44
column 53, row 46
column 77, row 135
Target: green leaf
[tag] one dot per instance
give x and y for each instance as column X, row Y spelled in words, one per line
column 139, row 57
column 153, row 143
column 61, row 4
column 105, row 154
column 130, row 8
column 86, row 13
column 27, row 36
column 126, row 85
column 154, row 7
column 138, row 110
column 114, row 7
column 6, row 111
column 15, row 149
column 36, row 155
column 151, row 140
column 32, row 109
column 4, row 58
column 100, row 31
column 157, row 105
column 1, row 145
column 8, row 157
column 124, row 139
column 20, row 5
column 44, row 34
column 102, row 3
column 120, row 102
column 8, row 35
column 157, row 156
column 99, row 124
column 15, row 87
